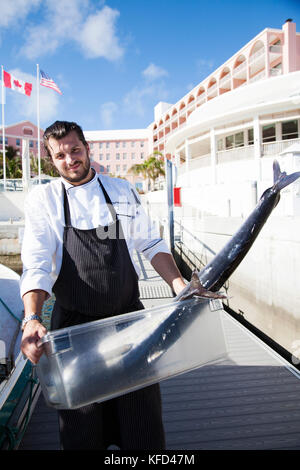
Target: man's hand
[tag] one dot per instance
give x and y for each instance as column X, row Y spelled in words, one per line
column 164, row 264
column 32, row 334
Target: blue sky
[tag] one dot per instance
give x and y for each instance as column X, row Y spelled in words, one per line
column 115, row 60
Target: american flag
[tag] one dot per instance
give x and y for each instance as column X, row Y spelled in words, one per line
column 48, row 82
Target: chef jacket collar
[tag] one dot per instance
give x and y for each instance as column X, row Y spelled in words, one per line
column 68, row 185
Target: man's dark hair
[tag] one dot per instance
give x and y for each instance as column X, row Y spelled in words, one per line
column 60, row 129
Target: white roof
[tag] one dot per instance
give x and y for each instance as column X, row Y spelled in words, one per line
column 118, row 134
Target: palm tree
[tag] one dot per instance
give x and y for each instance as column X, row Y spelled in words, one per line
column 47, row 166
column 155, row 167
column 150, row 169
column 13, row 163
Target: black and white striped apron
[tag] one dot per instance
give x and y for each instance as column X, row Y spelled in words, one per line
column 97, row 280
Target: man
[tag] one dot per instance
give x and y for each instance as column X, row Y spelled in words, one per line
column 80, row 233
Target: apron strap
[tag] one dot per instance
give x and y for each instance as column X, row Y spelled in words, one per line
column 66, row 208
column 107, row 200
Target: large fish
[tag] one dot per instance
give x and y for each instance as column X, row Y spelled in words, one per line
column 133, row 350
column 211, row 278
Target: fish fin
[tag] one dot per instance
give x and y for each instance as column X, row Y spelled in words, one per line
column 196, row 289
column 281, row 179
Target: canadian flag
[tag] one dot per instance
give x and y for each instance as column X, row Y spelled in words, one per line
column 15, row 84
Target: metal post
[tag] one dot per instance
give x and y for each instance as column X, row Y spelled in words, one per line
column 3, row 129
column 25, row 164
column 169, row 174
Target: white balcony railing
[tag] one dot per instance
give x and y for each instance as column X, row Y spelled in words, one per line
column 237, row 153
column 276, row 49
column 257, row 55
column 212, row 89
column 275, row 148
column 275, row 72
column 225, row 80
column 200, row 162
column 258, row 76
column 240, row 68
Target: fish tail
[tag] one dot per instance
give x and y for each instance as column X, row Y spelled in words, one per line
column 281, row 179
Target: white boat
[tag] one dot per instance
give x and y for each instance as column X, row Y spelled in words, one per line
column 18, row 387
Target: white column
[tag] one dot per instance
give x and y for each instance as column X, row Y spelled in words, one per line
column 278, row 131
column 257, row 146
column 187, row 156
column 248, row 68
column 267, row 57
column 187, row 161
column 213, row 153
column 25, row 164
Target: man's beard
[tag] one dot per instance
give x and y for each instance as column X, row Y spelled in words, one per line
column 85, row 166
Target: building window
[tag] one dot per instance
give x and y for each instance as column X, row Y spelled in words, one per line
column 117, row 145
column 239, row 139
column 108, row 156
column 124, row 167
column 118, row 156
column 107, row 145
column 124, row 143
column 18, row 142
column 91, row 157
column 1, row 140
column 269, row 133
column 236, row 140
column 31, row 143
column 27, row 131
column 289, row 130
column 108, row 168
column 132, row 143
column 100, row 145
column 124, row 156
column 132, row 156
column 91, row 145
column 142, row 143
column 118, row 168
column 220, row 145
column 229, row 141
column 101, row 156
column 250, row 137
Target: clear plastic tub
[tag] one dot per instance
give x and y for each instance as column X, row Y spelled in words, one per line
column 96, row 361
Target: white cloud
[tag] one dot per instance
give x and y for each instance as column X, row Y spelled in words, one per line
column 107, row 113
column 153, row 72
column 98, row 35
column 136, row 102
column 27, row 106
column 94, row 32
column 14, row 10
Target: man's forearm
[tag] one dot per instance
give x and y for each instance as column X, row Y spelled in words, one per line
column 33, row 301
column 164, row 264
column 33, row 330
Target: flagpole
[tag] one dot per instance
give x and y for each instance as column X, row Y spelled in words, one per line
column 3, row 129
column 38, row 117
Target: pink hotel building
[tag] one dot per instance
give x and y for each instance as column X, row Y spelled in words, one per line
column 272, row 53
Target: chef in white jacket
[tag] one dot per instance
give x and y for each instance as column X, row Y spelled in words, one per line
column 79, row 238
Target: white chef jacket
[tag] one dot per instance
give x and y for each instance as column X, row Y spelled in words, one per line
column 42, row 244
